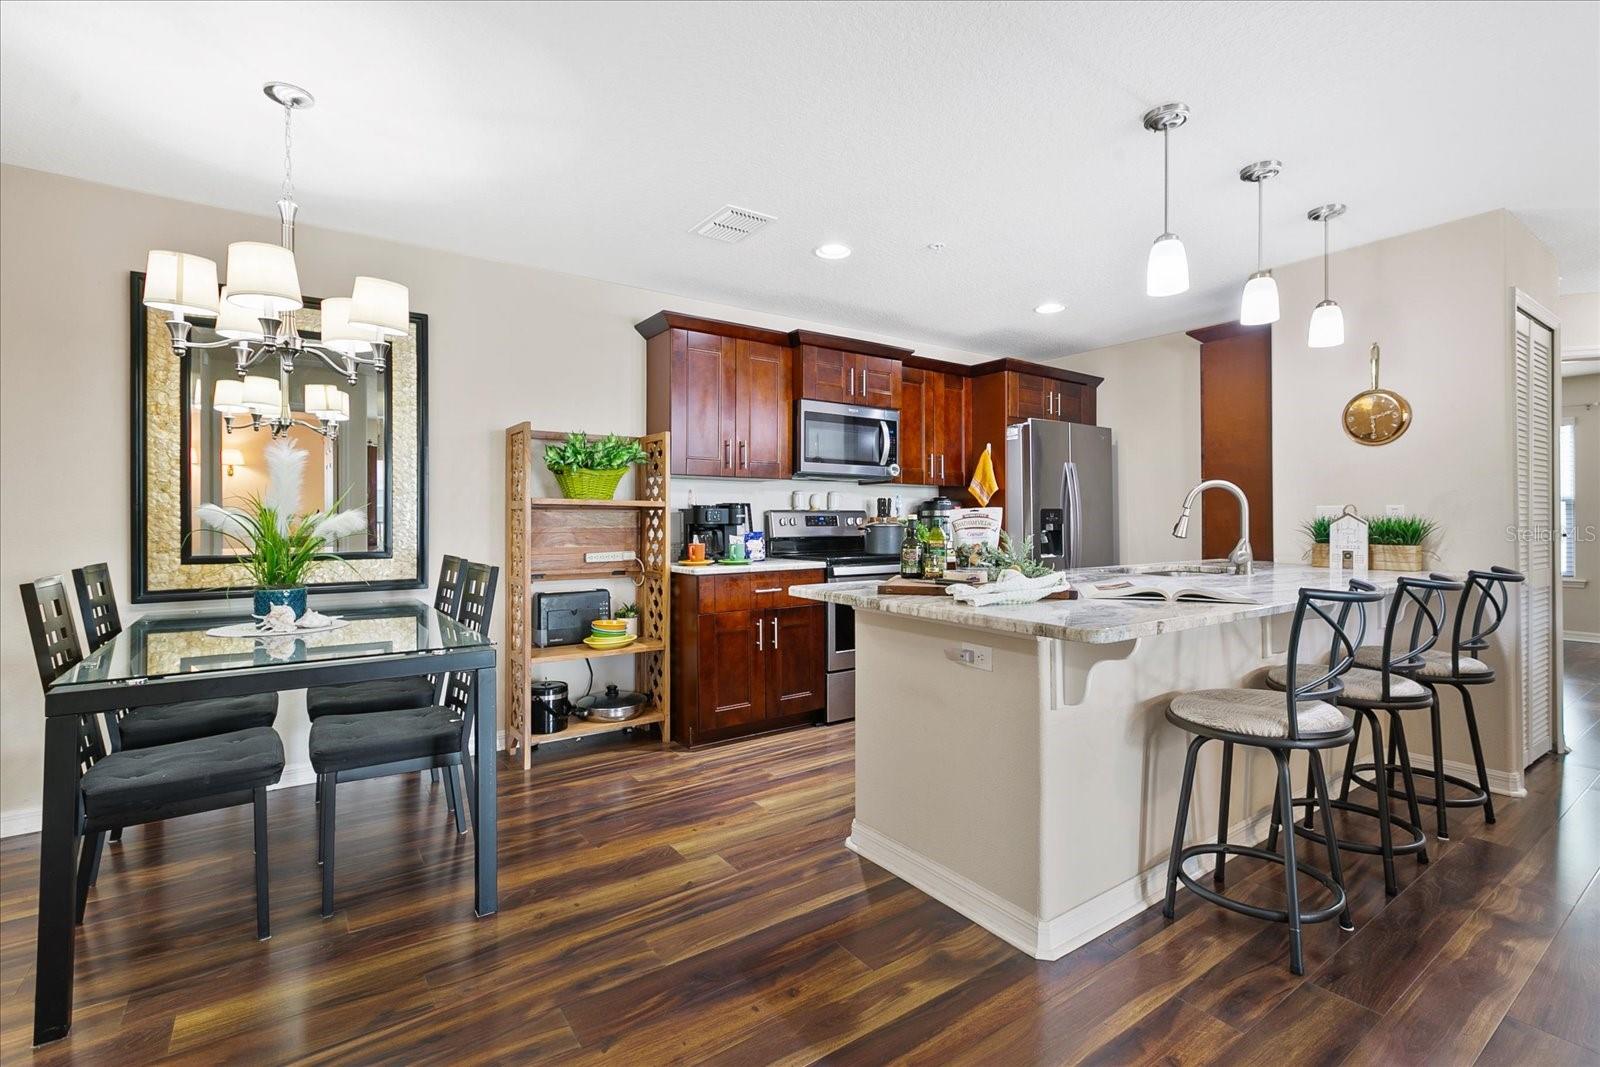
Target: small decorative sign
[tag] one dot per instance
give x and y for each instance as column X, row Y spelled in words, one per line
column 1347, row 542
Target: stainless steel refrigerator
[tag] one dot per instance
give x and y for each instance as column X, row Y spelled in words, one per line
column 1059, row 491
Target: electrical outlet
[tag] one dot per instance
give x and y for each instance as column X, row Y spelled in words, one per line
column 980, row 657
column 1394, row 509
column 607, row 557
column 1329, row 511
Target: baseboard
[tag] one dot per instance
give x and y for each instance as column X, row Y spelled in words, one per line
column 1580, row 635
column 1501, row 783
column 17, row 823
column 1042, row 939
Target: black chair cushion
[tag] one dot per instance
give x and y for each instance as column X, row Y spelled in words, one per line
column 128, row 785
column 359, row 698
column 167, row 724
column 345, row 742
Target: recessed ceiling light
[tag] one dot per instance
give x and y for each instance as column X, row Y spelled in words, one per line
column 832, row 251
column 1050, row 307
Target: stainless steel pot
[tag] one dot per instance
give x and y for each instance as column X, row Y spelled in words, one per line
column 614, row 705
column 885, row 538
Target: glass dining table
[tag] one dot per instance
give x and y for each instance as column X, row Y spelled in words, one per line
column 166, row 657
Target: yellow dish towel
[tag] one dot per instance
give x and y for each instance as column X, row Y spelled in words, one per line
column 983, row 485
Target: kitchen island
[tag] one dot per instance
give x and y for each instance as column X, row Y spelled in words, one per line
column 1016, row 764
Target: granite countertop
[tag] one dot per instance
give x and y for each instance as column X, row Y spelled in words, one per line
column 717, row 571
column 1274, row 587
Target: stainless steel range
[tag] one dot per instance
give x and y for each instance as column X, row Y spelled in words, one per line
column 838, row 540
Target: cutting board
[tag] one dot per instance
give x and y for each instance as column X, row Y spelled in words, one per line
column 930, row 587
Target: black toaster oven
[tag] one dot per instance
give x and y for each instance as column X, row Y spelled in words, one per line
column 564, row 618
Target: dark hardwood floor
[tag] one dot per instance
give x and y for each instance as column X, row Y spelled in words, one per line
column 661, row 907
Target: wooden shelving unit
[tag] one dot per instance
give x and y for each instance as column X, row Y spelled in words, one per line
column 546, row 540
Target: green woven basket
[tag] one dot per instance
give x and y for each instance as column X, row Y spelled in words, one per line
column 588, row 484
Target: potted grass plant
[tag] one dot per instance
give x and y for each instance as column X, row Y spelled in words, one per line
column 1394, row 542
column 629, row 613
column 279, row 545
column 590, row 469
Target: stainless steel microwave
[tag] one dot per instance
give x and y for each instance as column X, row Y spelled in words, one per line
column 846, row 441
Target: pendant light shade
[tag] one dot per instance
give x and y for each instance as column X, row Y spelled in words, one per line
column 180, row 283
column 1327, row 318
column 1167, row 272
column 262, row 278
column 237, row 323
column 1258, row 304
column 382, row 306
column 1327, row 326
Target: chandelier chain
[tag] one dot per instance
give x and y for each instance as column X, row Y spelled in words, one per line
column 288, row 159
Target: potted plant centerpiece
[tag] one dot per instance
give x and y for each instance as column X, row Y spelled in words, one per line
column 591, row 469
column 1394, row 542
column 279, row 545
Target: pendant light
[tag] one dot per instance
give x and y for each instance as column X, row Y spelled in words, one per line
column 1327, row 320
column 1259, row 303
column 1167, row 273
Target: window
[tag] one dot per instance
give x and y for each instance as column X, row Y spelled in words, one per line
column 1569, row 502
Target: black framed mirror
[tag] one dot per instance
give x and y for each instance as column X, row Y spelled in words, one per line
column 192, row 444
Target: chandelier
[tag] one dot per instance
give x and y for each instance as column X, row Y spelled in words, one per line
column 253, row 315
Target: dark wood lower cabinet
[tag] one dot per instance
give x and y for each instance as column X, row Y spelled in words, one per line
column 746, row 656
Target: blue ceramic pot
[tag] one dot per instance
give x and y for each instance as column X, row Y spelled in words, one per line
column 266, row 599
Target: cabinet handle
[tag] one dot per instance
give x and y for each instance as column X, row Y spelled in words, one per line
column 774, row 589
column 774, row 633
column 744, row 459
column 760, row 635
column 852, row 381
column 727, row 452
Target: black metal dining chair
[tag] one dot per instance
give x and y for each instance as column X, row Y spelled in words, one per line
column 1298, row 719
column 393, row 694
column 377, row 744
column 162, row 724
column 133, row 786
column 1369, row 690
column 1484, row 598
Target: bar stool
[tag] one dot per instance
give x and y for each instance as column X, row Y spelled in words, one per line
column 1459, row 669
column 1300, row 718
column 1387, row 688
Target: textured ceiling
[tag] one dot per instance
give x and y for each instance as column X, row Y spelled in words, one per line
column 590, row 138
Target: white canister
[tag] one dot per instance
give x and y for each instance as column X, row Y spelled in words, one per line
column 818, row 501
column 797, row 500
column 835, row 501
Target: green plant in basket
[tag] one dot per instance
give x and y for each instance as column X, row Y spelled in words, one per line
column 1009, row 557
column 627, row 611
column 590, row 469
column 1381, row 529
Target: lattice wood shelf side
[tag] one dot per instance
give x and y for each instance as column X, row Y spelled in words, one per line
column 547, row 539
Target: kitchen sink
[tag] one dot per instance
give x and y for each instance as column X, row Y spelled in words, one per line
column 1160, row 571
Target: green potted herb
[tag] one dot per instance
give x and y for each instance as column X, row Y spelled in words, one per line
column 629, row 613
column 1394, row 542
column 591, row 469
column 1009, row 557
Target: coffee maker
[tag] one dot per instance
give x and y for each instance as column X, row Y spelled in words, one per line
column 716, row 526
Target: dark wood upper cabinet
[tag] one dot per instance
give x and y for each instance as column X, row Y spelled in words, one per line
column 933, row 427
column 847, row 371
column 1008, row 391
column 725, row 393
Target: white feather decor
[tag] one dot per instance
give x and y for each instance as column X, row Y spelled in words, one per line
column 221, row 519
column 335, row 527
column 286, row 475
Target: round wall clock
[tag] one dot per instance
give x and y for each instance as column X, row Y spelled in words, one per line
column 1376, row 416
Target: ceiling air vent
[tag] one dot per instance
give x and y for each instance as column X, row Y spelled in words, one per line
column 731, row 224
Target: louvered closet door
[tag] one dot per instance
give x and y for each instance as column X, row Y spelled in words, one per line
column 1535, row 403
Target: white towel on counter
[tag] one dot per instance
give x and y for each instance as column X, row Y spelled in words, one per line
column 1009, row 588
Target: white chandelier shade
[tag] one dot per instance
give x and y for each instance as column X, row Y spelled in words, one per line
column 381, row 305
column 227, row 397
column 262, row 278
column 261, row 395
column 236, row 322
column 327, row 402
column 342, row 335
column 180, row 283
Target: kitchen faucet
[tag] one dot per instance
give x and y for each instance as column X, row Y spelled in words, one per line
column 1241, row 557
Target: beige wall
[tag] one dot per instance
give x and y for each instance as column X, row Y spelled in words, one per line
column 1151, row 401
column 1438, row 303
column 507, row 344
column 1580, row 321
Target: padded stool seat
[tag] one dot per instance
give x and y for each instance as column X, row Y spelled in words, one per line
column 360, row 698
column 1359, row 683
column 346, row 742
column 126, row 786
column 1255, row 713
column 1435, row 665
column 167, row 724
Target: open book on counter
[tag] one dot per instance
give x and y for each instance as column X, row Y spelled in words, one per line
column 1123, row 589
